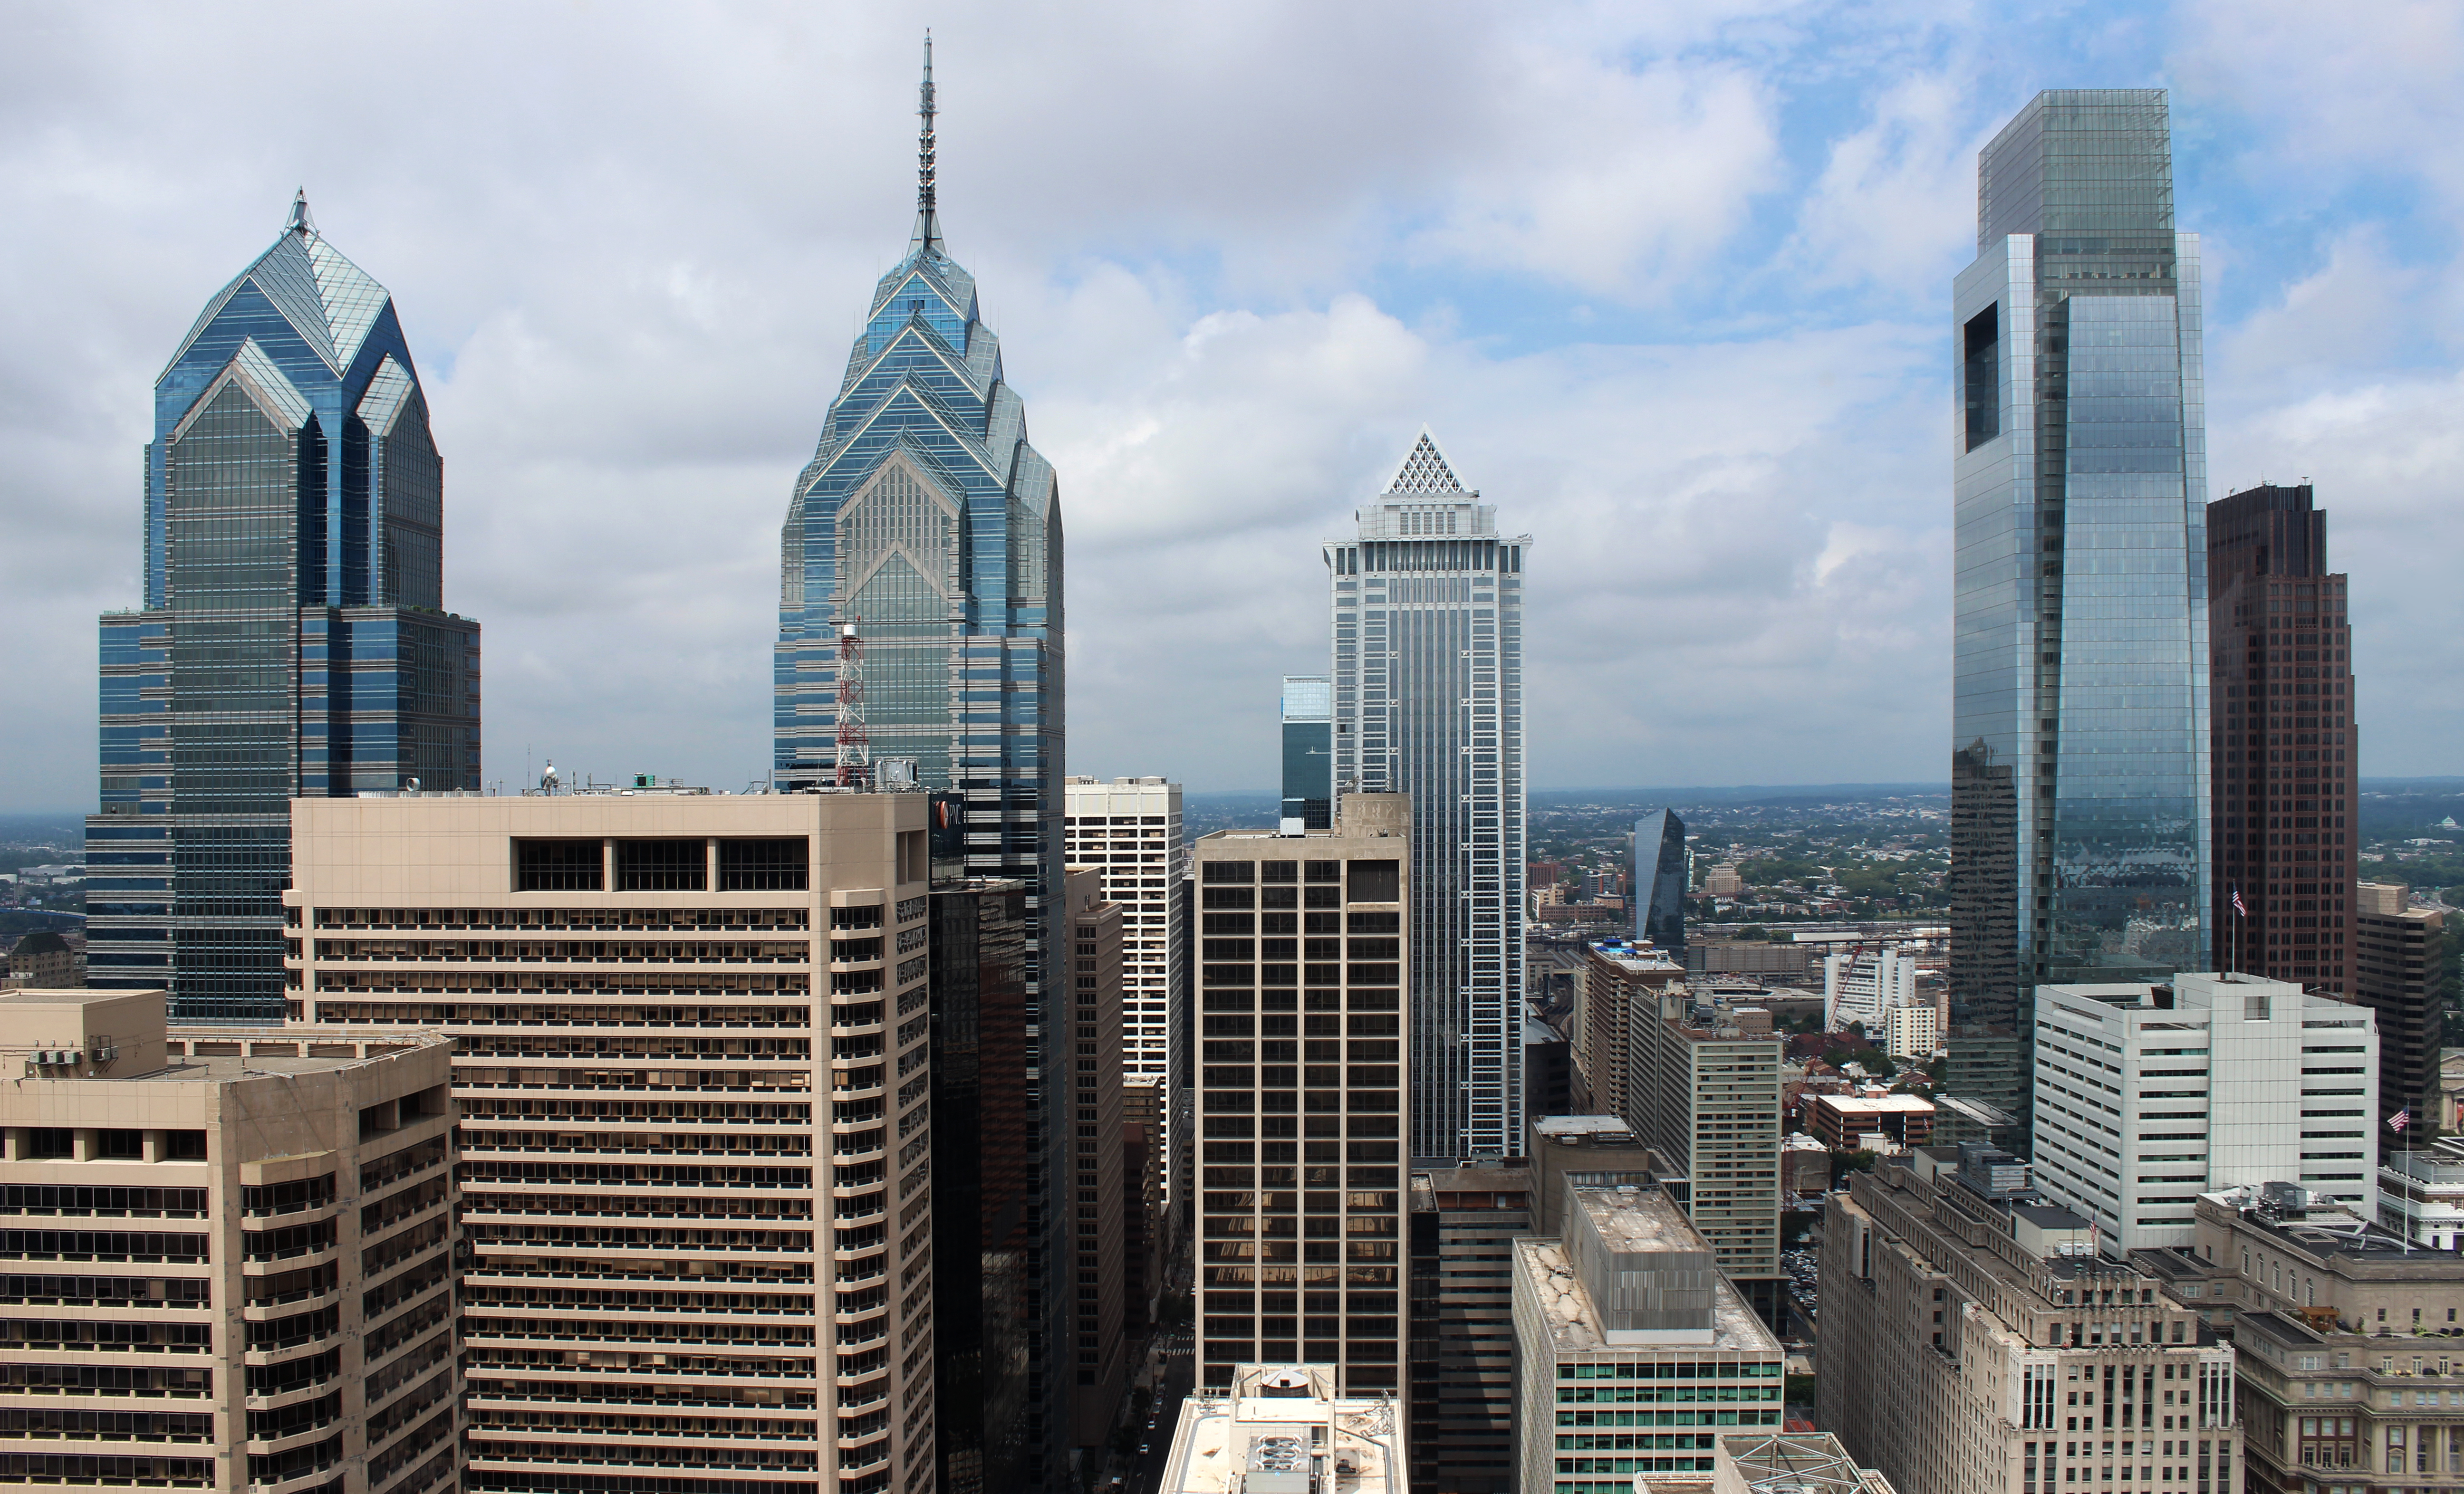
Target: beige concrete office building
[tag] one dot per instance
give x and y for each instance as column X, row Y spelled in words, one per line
column 1973, row 1341
column 228, row 1258
column 691, row 1066
column 1302, row 1095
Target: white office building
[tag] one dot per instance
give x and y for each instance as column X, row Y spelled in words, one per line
column 1427, row 610
column 1863, row 988
column 2149, row 1095
column 1128, row 828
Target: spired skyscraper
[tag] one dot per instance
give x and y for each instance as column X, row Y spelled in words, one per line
column 927, row 525
column 2080, row 835
column 292, row 640
column 1428, row 702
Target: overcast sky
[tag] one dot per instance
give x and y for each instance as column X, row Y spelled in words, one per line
column 1669, row 280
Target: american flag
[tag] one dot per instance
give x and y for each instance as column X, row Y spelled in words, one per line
column 2399, row 1120
column 2240, row 910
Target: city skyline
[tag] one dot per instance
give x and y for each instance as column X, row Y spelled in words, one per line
column 1219, row 386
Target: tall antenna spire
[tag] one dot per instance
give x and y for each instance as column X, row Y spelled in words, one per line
column 306, row 227
column 927, row 217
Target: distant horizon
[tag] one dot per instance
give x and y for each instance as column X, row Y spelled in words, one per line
column 1644, row 790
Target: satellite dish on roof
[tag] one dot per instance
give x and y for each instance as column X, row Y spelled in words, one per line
column 548, row 779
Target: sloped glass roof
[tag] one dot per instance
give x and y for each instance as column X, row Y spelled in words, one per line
column 331, row 303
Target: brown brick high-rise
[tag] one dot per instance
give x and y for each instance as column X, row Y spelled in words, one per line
column 2283, row 752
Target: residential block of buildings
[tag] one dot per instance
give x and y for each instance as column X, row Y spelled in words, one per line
column 1705, row 1096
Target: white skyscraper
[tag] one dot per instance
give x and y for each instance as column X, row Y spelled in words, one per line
column 1130, row 829
column 2149, row 1095
column 1864, row 987
column 1428, row 702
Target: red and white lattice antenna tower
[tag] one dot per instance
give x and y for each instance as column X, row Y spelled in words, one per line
column 855, row 738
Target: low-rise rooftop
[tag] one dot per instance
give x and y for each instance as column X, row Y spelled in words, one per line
column 1878, row 1105
column 1576, row 1325
column 1279, row 1429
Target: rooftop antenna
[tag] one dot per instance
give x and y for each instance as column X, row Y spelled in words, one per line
column 927, row 218
column 855, row 738
column 548, row 780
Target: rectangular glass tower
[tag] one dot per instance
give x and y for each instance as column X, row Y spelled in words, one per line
column 1428, row 702
column 2080, row 772
column 1308, row 751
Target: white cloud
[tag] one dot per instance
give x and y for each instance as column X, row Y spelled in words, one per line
column 1236, row 255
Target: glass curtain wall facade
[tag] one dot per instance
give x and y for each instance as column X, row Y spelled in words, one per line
column 292, row 640
column 929, row 524
column 1308, row 751
column 1428, row 702
column 1657, row 885
column 2081, row 839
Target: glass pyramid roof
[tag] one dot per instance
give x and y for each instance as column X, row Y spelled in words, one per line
column 331, row 303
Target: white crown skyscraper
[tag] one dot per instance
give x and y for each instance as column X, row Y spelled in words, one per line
column 1427, row 603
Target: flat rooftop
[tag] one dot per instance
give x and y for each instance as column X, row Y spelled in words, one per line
column 1575, row 1329
column 1884, row 1105
column 1636, row 1219
column 2324, row 1230
column 1354, row 1443
column 1581, row 1128
column 1636, row 957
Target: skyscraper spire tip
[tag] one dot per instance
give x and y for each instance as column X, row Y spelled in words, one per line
column 300, row 223
column 927, row 218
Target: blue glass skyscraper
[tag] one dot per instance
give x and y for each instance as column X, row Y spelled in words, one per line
column 1657, row 889
column 2080, row 836
column 293, row 639
column 928, row 525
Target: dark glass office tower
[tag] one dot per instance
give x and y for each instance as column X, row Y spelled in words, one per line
column 2287, row 753
column 2080, row 812
column 1658, row 884
column 982, row 1213
column 293, row 639
column 1308, row 751
column 927, row 525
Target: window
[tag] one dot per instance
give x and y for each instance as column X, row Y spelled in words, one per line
column 1981, row 376
column 1376, row 882
column 764, row 866
column 558, row 866
column 661, row 867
